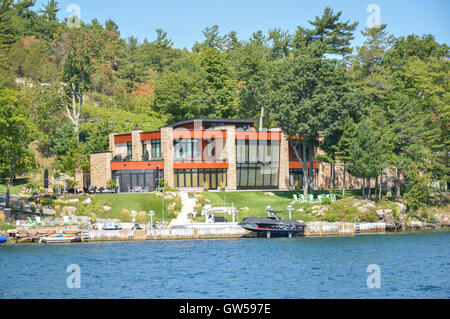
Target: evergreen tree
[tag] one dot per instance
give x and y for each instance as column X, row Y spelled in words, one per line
column 50, row 10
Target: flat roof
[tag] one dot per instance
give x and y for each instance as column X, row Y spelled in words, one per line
column 228, row 121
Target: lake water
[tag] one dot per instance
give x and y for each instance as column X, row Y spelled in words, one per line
column 412, row 265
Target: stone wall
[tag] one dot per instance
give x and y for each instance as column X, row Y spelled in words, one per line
column 137, row 145
column 100, row 168
column 230, row 155
column 112, row 145
column 121, row 149
column 167, row 154
column 284, row 163
column 350, row 181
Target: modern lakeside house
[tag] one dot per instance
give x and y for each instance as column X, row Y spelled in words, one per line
column 199, row 153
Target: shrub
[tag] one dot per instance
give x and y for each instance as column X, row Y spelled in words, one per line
column 70, row 183
column 2, row 217
column 178, row 204
column 111, row 183
column 326, row 201
column 93, row 217
column 55, row 187
column 126, row 216
column 21, row 206
column 206, row 186
column 141, row 216
column 171, row 211
column 297, row 185
column 417, row 192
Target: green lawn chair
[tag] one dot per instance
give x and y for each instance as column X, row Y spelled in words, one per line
column 296, row 200
column 30, row 222
column 333, row 198
column 310, row 198
column 301, row 198
column 320, row 198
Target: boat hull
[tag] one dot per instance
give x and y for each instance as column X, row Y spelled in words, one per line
column 3, row 239
column 58, row 239
column 276, row 227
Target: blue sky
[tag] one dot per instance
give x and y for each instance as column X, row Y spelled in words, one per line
column 184, row 20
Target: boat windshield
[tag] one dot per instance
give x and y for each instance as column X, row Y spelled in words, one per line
column 273, row 214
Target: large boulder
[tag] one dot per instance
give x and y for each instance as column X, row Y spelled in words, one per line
column 380, row 213
column 363, row 209
column 71, row 209
column 50, row 212
column 369, row 205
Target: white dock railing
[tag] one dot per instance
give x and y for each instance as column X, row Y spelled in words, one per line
column 312, row 229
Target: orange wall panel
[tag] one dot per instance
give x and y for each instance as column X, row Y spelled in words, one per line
column 200, row 165
column 122, row 138
column 119, row 166
column 148, row 136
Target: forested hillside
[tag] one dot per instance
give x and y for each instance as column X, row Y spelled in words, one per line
column 384, row 104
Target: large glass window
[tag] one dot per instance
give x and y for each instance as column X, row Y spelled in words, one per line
column 156, row 148
column 185, row 149
column 198, row 177
column 296, row 177
column 257, row 163
column 146, row 180
column 129, row 149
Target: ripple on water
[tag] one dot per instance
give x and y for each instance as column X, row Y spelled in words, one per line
column 412, row 266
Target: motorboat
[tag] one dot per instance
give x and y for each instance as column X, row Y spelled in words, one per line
column 112, row 226
column 58, row 238
column 273, row 224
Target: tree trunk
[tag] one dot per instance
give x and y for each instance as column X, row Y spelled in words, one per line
column 305, row 172
column 364, row 188
column 311, row 169
column 380, row 191
column 376, row 188
column 370, row 187
column 74, row 116
column 302, row 160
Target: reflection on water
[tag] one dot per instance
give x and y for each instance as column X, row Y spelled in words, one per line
column 413, row 265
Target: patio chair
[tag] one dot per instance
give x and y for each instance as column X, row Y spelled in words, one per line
column 310, row 198
column 30, row 222
column 320, row 198
column 301, row 198
column 333, row 198
column 38, row 221
column 296, row 200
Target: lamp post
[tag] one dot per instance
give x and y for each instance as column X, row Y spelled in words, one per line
column 134, row 213
column 290, row 208
column 151, row 214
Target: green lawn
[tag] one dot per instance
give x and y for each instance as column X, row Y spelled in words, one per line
column 137, row 202
column 17, row 187
column 257, row 202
